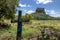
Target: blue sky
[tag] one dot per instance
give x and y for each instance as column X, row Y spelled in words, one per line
column 52, row 7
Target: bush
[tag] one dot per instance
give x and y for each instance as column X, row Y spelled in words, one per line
column 4, row 25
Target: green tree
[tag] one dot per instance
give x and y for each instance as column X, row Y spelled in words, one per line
column 7, row 11
column 7, row 8
column 27, row 16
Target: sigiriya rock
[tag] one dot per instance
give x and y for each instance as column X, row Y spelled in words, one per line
column 40, row 14
column 40, row 10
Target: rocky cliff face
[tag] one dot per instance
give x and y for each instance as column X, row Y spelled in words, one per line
column 40, row 10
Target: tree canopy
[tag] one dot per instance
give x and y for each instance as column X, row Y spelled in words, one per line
column 7, row 11
column 7, row 8
column 27, row 17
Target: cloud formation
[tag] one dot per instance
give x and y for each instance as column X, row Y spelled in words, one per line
column 43, row 1
column 30, row 11
column 24, row 5
column 52, row 13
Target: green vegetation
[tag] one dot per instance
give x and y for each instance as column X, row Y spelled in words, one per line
column 7, row 11
column 40, row 16
column 7, row 8
column 31, row 29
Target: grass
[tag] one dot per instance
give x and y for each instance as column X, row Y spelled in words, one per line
column 30, row 29
column 38, row 25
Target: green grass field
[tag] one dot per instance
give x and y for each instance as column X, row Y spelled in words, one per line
column 29, row 29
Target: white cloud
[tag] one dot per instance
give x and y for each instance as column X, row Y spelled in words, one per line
column 43, row 1
column 30, row 11
column 56, row 15
column 25, row 10
column 24, row 5
column 28, row 5
column 52, row 13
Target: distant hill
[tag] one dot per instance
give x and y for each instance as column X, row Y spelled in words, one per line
column 40, row 14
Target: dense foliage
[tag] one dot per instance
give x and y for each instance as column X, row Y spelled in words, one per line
column 27, row 16
column 7, row 11
column 7, row 8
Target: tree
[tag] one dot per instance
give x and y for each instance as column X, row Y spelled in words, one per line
column 7, row 8
column 27, row 16
column 7, row 11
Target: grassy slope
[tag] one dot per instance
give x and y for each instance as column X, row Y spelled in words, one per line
column 29, row 29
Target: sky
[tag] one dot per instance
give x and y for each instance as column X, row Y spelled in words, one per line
column 52, row 7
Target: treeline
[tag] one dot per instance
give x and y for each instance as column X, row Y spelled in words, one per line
column 37, row 16
column 26, row 17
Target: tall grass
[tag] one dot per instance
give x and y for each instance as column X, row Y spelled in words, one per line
column 30, row 29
